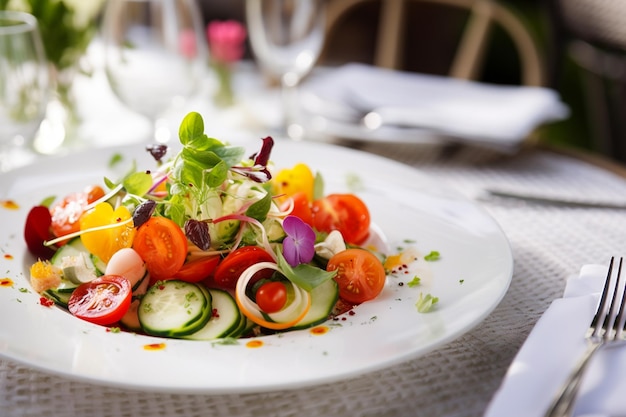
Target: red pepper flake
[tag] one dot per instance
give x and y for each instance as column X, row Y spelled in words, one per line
column 6, row 282
column 214, row 313
column 9, row 205
column 253, row 344
column 351, row 312
column 119, row 219
column 154, row 346
column 319, row 330
column 8, row 257
column 46, row 302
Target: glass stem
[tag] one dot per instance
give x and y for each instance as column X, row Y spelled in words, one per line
column 290, row 104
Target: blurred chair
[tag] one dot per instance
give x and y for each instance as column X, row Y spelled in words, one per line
column 592, row 34
column 468, row 60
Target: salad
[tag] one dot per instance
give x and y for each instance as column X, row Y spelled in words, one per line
column 208, row 244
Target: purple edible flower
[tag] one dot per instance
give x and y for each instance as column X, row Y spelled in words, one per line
column 298, row 246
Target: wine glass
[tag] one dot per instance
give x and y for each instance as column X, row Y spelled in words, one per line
column 155, row 52
column 23, row 81
column 286, row 38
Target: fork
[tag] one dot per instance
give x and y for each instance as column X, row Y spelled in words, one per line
column 607, row 327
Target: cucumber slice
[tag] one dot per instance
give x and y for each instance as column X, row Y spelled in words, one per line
column 227, row 321
column 98, row 264
column 323, row 300
column 60, row 298
column 174, row 308
column 72, row 248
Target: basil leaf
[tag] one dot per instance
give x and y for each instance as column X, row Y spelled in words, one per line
column 259, row 209
column 304, row 276
column 217, row 175
column 191, row 128
column 138, row 183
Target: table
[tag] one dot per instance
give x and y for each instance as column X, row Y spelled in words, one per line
column 549, row 243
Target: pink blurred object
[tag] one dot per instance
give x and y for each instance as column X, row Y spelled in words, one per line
column 187, row 43
column 226, row 40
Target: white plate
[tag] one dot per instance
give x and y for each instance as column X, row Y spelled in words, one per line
column 470, row 279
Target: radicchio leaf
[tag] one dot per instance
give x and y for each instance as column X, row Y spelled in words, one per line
column 157, row 151
column 263, row 156
column 143, row 212
column 198, row 233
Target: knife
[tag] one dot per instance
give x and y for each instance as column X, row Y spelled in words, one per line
column 558, row 201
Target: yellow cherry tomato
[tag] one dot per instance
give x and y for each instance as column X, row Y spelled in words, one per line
column 105, row 242
column 294, row 180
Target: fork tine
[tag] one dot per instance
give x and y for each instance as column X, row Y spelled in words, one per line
column 621, row 316
column 600, row 316
column 610, row 321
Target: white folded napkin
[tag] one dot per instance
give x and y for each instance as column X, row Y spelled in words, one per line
column 492, row 114
column 553, row 347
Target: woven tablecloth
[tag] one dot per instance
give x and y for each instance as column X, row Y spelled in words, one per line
column 548, row 242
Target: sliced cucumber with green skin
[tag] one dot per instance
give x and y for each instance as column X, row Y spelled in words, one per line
column 72, row 248
column 174, row 308
column 323, row 300
column 60, row 298
column 222, row 324
column 98, row 264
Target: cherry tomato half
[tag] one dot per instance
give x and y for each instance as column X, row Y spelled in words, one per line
column 66, row 213
column 232, row 266
column 360, row 275
column 162, row 245
column 271, row 296
column 346, row 213
column 198, row 269
column 103, row 301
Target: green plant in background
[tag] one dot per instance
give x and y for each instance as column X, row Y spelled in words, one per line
column 67, row 26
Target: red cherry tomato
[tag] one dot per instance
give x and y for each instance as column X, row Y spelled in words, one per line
column 66, row 213
column 103, row 301
column 230, row 269
column 343, row 212
column 162, row 245
column 198, row 269
column 360, row 275
column 301, row 207
column 271, row 296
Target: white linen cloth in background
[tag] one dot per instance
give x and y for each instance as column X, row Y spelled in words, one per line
column 550, row 352
column 496, row 115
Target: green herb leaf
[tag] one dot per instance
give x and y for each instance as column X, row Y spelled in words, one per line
column 138, row 183
column 304, row 276
column 191, row 129
column 47, row 202
column 217, row 175
column 414, row 282
column 115, row 159
column 318, row 186
column 259, row 209
column 426, row 302
column 432, row 256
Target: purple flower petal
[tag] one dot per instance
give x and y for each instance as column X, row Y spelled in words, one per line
column 298, row 246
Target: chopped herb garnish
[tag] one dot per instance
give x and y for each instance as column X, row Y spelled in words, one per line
column 426, row 302
column 432, row 256
column 115, row 159
column 461, row 281
column 414, row 282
